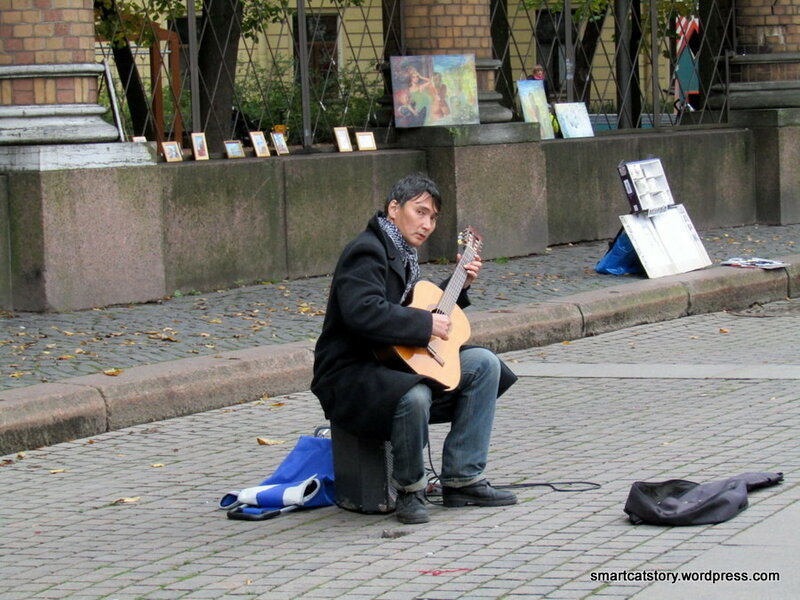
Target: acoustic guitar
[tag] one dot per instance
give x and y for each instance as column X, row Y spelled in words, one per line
column 439, row 360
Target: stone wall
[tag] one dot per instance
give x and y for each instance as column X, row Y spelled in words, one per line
column 78, row 238
column 94, row 237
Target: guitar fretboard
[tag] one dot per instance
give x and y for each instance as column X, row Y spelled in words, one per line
column 456, row 283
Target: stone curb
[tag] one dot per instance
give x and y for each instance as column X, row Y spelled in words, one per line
column 50, row 413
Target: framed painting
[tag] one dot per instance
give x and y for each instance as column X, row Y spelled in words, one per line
column 533, row 101
column 260, row 147
column 342, row 136
column 365, row 140
column 199, row 146
column 172, row 151
column 434, row 90
column 234, row 149
column 279, row 141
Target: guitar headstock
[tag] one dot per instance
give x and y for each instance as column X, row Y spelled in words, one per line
column 471, row 239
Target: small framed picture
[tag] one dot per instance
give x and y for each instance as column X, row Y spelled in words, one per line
column 343, row 139
column 199, row 146
column 365, row 140
column 279, row 141
column 172, row 151
column 138, row 138
column 260, row 146
column 234, row 149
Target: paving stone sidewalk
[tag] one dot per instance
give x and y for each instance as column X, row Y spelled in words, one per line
column 37, row 348
column 131, row 514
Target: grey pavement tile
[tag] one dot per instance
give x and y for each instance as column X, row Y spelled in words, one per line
column 546, row 539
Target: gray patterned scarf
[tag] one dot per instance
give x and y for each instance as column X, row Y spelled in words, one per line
column 408, row 254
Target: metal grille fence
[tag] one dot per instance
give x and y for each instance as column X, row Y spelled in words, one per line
column 226, row 67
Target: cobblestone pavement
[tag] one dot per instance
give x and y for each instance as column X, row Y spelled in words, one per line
column 36, row 348
column 131, row 514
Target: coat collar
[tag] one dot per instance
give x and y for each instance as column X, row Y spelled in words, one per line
column 395, row 262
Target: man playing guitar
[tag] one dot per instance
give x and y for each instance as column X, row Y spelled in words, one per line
column 371, row 308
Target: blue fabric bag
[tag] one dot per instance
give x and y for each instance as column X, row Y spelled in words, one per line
column 621, row 257
column 303, row 479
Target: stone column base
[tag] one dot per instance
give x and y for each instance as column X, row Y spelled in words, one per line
column 56, row 157
column 55, row 124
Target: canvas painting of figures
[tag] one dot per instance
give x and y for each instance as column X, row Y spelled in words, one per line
column 533, row 100
column 573, row 119
column 435, row 90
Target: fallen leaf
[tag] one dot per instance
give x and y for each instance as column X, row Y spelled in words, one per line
column 268, row 442
column 56, row 471
column 723, row 330
column 157, row 465
column 163, row 337
column 126, row 500
column 112, row 372
column 65, row 357
column 391, row 534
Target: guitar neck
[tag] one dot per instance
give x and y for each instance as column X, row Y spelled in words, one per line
column 456, row 283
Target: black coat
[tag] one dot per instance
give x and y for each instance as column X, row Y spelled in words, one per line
column 357, row 392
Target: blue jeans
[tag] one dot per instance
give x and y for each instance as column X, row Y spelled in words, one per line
column 466, row 446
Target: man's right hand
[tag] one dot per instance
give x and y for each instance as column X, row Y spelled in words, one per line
column 441, row 325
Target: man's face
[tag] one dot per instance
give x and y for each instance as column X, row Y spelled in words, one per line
column 416, row 219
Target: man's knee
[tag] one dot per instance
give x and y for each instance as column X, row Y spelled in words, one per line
column 480, row 361
column 416, row 402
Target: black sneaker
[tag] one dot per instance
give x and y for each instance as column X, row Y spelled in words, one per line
column 410, row 508
column 476, row 494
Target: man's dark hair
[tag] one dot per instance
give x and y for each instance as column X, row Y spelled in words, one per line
column 411, row 186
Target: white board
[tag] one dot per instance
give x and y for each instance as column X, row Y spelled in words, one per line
column 666, row 242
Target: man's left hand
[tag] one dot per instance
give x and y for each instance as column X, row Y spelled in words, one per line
column 472, row 268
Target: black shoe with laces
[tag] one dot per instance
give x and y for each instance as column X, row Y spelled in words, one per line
column 480, row 493
column 410, row 508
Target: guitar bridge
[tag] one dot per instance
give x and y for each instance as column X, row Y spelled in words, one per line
column 435, row 356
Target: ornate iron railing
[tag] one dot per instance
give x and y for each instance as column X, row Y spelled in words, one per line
column 232, row 66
